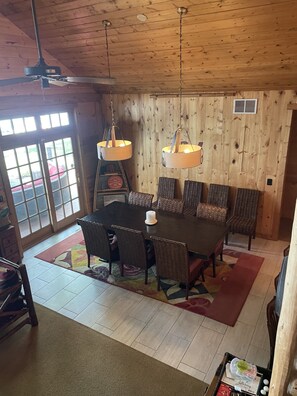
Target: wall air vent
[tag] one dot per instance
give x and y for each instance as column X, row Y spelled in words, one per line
column 245, row 106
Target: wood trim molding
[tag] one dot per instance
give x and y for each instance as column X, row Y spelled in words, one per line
column 284, row 374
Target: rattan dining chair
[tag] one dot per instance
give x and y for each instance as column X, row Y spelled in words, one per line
column 134, row 249
column 244, row 217
column 170, row 205
column 166, row 189
column 140, row 199
column 99, row 242
column 192, row 196
column 217, row 214
column 173, row 262
column 218, row 194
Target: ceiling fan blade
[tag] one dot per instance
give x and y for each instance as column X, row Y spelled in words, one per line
column 91, row 80
column 57, row 81
column 16, row 80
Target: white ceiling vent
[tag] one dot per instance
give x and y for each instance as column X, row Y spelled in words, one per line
column 245, row 106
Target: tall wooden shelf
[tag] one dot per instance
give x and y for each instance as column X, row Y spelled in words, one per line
column 111, row 183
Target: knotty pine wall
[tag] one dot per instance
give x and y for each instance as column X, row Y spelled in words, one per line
column 239, row 150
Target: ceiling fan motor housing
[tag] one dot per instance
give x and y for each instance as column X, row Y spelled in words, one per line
column 42, row 70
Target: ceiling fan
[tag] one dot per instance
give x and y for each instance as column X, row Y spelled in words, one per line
column 50, row 74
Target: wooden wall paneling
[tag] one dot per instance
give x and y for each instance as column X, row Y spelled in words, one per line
column 276, row 162
column 90, row 130
column 251, row 147
column 290, row 186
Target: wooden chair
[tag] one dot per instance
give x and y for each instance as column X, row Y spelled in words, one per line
column 16, row 303
column 218, row 194
column 134, row 249
column 99, row 242
column 170, row 205
column 173, row 262
column 191, row 196
column 218, row 214
column 166, row 189
column 244, row 217
column 211, row 212
column 140, row 199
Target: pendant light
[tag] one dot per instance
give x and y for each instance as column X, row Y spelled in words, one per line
column 181, row 154
column 111, row 149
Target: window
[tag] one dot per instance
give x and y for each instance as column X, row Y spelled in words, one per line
column 245, row 106
column 16, row 126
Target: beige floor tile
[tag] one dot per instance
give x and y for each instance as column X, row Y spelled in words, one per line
column 217, row 360
column 68, row 314
column 191, row 371
column 237, row 340
column 91, row 314
column 102, row 329
column 128, row 330
column 83, row 299
column 156, row 330
column 142, row 348
column 187, row 325
column 258, row 356
column 261, row 285
column 214, row 325
column 202, row 349
column 59, row 300
column 145, row 309
column 251, row 310
column 172, row 350
column 260, row 337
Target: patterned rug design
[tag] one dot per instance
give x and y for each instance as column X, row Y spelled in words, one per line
column 237, row 272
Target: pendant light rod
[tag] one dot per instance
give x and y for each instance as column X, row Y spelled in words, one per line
column 106, row 23
column 180, row 154
column 111, row 149
column 181, row 11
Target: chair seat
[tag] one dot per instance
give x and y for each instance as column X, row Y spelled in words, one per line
column 196, row 266
column 241, row 225
column 189, row 211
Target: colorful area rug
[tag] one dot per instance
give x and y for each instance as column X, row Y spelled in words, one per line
column 220, row 298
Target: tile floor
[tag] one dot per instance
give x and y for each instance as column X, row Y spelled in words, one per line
column 189, row 342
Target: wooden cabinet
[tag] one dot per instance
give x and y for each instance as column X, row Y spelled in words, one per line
column 9, row 245
column 16, row 304
column 111, row 183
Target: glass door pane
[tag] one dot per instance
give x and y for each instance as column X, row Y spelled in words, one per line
column 63, row 178
column 27, row 183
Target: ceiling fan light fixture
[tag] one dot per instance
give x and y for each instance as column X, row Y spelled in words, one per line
column 181, row 154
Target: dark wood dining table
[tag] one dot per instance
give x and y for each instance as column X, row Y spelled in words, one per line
column 201, row 236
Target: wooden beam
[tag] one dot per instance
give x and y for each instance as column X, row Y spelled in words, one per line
column 284, row 373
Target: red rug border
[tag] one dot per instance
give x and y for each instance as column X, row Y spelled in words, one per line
column 241, row 271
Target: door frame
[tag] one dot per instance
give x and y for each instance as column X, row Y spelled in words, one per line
column 38, row 137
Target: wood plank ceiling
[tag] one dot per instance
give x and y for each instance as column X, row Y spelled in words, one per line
column 228, row 45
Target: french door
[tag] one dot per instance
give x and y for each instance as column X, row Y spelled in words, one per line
column 44, row 180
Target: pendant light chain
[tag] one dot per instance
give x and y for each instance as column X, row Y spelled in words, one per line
column 106, row 24
column 180, row 10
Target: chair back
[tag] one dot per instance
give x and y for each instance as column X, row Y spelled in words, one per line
column 246, row 203
column 218, row 194
column 211, row 212
column 170, row 205
column 140, row 199
column 132, row 246
column 172, row 260
column 166, row 187
column 192, row 193
column 96, row 239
